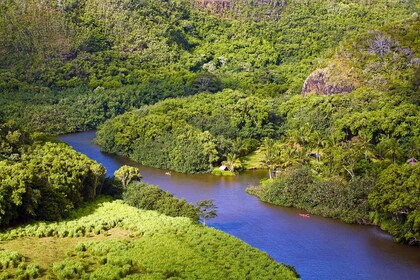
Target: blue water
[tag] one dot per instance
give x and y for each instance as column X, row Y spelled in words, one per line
column 319, row 248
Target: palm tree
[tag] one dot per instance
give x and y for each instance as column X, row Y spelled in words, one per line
column 232, row 162
column 271, row 154
column 316, row 140
column 364, row 139
column 393, row 150
column 288, row 157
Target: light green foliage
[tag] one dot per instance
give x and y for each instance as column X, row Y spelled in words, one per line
column 232, row 162
column 14, row 265
column 68, row 269
column 216, row 171
column 161, row 247
column 395, row 200
column 28, row 271
column 10, row 259
column 270, row 151
column 127, row 174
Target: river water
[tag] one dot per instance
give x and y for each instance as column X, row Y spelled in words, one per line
column 319, row 248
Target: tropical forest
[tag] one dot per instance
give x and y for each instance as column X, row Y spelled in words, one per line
column 310, row 107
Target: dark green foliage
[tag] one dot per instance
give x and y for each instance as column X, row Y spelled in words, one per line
column 149, row 197
column 331, row 197
column 69, row 66
column 106, row 61
column 13, row 141
column 190, row 134
column 206, row 210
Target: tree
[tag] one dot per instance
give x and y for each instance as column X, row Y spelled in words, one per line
column 206, row 210
column 391, row 149
column 232, row 162
column 349, row 156
column 127, row 174
column 396, row 201
column 270, row 151
column 316, row 139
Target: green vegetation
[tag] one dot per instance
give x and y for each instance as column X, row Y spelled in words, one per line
column 149, row 197
column 206, row 210
column 343, row 143
column 330, row 197
column 395, row 200
column 127, row 174
column 216, row 171
column 68, row 66
column 46, row 180
column 191, row 134
column 136, row 244
column 185, row 86
column 43, row 180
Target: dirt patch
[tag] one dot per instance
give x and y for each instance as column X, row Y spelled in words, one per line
column 119, row 232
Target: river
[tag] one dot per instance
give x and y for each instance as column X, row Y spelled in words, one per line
column 319, row 248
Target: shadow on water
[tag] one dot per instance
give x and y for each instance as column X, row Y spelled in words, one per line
column 318, row 247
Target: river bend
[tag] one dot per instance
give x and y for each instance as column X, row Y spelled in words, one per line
column 319, row 248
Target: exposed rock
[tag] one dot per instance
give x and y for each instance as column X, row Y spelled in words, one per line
column 320, row 82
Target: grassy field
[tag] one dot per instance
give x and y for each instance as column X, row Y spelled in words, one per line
column 252, row 161
column 113, row 240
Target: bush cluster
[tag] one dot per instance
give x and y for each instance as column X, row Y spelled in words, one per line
column 334, row 197
column 43, row 179
column 149, row 197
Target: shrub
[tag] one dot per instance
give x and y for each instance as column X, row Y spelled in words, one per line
column 10, row 259
column 68, row 269
column 149, row 197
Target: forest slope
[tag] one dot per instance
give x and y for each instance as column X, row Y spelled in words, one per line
column 69, row 65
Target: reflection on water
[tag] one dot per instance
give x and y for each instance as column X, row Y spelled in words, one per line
column 319, row 248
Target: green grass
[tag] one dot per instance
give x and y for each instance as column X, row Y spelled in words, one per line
column 115, row 240
column 252, row 161
column 216, row 171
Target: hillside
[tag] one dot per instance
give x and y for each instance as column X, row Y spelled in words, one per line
column 112, row 240
column 69, row 65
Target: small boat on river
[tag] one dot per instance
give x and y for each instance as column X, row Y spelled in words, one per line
column 304, row 215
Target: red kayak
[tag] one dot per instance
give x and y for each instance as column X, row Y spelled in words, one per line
column 304, row 215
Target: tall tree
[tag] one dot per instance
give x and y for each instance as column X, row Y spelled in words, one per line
column 271, row 152
column 206, row 210
column 127, row 174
